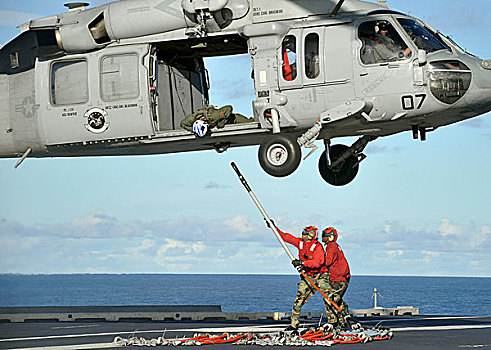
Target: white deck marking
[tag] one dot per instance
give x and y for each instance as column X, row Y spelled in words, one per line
column 433, row 318
column 70, row 327
column 476, row 346
column 272, row 328
column 73, row 347
column 440, row 328
column 264, row 328
column 79, row 335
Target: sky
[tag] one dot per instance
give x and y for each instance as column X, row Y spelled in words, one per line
column 415, row 208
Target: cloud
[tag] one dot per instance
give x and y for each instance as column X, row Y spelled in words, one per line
column 477, row 123
column 394, row 253
column 217, row 186
column 391, row 235
column 20, row 244
column 240, row 223
column 96, row 219
column 374, row 149
column 101, row 243
column 431, row 254
column 446, row 228
column 446, row 237
column 144, row 247
column 175, row 247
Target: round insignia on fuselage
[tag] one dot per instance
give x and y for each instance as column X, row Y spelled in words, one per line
column 96, row 120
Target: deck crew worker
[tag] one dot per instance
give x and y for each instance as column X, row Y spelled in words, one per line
column 339, row 274
column 311, row 261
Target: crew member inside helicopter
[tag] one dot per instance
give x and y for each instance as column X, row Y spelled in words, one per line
column 382, row 43
column 289, row 53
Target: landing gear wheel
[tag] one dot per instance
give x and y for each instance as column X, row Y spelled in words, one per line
column 279, row 155
column 343, row 173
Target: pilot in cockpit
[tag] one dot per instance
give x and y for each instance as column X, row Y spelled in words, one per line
column 389, row 46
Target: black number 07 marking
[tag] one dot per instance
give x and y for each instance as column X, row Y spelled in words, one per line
column 408, row 101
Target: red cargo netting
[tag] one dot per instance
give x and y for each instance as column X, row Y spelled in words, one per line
column 320, row 336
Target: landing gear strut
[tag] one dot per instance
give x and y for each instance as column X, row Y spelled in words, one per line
column 341, row 167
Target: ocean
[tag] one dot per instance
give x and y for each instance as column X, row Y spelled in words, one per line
column 243, row 293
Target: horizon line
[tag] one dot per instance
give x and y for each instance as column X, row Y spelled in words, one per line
column 214, row 273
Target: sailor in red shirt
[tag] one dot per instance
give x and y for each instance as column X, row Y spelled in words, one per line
column 311, row 260
column 339, row 273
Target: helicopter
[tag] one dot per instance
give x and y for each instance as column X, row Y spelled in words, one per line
column 120, row 79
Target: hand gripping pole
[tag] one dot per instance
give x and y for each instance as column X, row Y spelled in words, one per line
column 276, row 233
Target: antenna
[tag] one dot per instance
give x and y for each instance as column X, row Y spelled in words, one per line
column 383, row 3
column 374, row 297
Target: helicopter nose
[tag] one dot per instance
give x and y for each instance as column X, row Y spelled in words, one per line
column 480, row 98
column 483, row 78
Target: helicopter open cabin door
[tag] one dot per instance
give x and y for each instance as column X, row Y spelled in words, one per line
column 180, row 91
column 96, row 96
column 383, row 66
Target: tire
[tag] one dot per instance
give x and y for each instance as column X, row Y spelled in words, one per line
column 344, row 173
column 279, row 155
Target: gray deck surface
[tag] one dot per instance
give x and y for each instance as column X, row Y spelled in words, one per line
column 410, row 332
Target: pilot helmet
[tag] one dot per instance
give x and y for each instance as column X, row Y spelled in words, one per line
column 382, row 25
column 310, row 231
column 200, row 127
column 289, row 43
column 330, row 233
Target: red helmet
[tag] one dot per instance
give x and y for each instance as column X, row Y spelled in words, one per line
column 330, row 233
column 311, row 231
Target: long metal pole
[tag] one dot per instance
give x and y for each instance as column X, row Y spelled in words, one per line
column 276, row 233
column 263, row 212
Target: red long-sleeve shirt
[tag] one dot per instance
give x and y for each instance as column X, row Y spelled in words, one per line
column 336, row 263
column 311, row 253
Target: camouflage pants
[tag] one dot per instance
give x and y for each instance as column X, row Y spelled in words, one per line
column 305, row 291
column 336, row 291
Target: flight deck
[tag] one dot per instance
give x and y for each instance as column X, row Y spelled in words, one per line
column 408, row 331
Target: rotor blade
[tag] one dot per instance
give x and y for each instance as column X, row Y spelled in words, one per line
column 336, row 8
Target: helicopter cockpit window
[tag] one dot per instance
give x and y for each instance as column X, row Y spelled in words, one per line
column 312, row 56
column 381, row 43
column 449, row 80
column 69, row 82
column 422, row 37
column 289, row 57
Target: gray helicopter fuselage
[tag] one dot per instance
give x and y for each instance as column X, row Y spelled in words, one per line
column 118, row 79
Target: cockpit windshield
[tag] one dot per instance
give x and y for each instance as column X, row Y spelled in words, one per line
column 422, row 37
